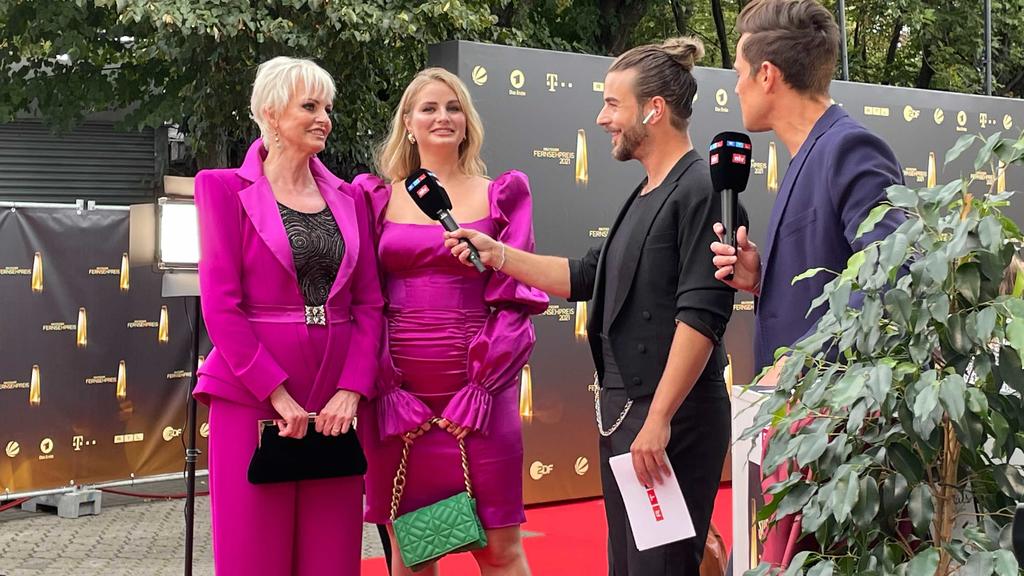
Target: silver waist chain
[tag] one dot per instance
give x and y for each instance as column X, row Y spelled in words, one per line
column 597, row 410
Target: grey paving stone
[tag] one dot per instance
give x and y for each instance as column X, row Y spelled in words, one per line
column 130, row 537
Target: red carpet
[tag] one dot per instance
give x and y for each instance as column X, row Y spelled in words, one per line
column 568, row 539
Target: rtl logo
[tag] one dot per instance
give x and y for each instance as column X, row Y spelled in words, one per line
column 655, row 507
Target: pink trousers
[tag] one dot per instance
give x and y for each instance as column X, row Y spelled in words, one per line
column 306, row 528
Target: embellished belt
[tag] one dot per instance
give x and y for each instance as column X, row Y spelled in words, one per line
column 310, row 315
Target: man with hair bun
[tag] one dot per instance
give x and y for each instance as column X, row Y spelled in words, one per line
column 659, row 314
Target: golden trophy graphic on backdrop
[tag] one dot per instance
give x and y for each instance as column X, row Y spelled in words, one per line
column 122, row 382
column 526, row 395
column 582, row 164
column 1001, row 178
column 37, row 273
column 728, row 375
column 82, row 334
column 163, row 333
column 931, row 169
column 773, row 168
column 199, row 364
column 580, row 328
column 125, row 282
column 35, row 395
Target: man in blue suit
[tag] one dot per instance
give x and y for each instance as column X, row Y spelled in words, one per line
column 785, row 60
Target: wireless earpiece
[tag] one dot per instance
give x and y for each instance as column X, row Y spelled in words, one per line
column 648, row 117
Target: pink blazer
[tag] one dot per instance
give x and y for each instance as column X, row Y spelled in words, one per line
column 251, row 300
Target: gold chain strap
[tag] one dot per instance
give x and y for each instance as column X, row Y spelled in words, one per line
column 399, row 483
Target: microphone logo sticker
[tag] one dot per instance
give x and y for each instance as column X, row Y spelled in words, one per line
column 714, row 159
column 738, row 158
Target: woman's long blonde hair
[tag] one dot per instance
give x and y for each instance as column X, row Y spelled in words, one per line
column 396, row 157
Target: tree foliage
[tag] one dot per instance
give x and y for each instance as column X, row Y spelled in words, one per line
column 191, row 62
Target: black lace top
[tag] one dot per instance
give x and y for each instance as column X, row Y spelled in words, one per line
column 317, row 249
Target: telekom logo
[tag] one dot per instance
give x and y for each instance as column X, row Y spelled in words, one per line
column 655, row 507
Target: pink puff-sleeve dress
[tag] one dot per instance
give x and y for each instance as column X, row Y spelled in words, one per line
column 457, row 341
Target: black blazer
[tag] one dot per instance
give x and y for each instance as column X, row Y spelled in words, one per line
column 671, row 278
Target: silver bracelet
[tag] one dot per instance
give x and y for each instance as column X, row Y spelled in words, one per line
column 502, row 265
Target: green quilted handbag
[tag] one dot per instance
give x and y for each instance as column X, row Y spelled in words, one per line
column 427, row 534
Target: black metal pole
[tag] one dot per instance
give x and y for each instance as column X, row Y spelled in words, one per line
column 842, row 40
column 191, row 453
column 988, row 47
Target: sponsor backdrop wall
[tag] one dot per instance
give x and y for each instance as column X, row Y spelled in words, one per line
column 539, row 110
column 94, row 364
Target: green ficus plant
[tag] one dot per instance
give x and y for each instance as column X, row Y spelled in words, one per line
column 898, row 417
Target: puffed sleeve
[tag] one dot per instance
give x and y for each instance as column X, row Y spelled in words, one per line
column 359, row 372
column 500, row 350
column 397, row 410
column 220, row 216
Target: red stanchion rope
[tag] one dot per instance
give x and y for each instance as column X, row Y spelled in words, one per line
column 13, row 504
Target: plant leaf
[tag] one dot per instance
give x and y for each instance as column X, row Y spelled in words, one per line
column 812, row 447
column 925, row 402
column 825, row 568
column 906, row 463
column 962, row 144
column 952, row 391
column 924, row 564
column 796, row 499
column 807, row 274
column 968, row 282
column 1005, row 563
column 985, row 155
column 797, row 564
column 845, row 496
column 893, row 492
column 874, row 217
column 867, row 505
column 922, row 508
column 1009, row 480
column 986, row 323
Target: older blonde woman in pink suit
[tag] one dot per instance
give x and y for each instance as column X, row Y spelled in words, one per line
column 292, row 302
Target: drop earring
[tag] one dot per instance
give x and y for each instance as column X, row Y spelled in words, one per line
column 277, row 140
column 410, row 138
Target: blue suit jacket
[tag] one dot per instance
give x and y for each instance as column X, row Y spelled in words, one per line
column 839, row 174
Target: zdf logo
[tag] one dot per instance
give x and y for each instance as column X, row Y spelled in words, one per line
column 539, row 470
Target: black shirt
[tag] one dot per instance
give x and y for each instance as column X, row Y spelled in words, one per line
column 317, row 250
column 615, row 258
column 665, row 276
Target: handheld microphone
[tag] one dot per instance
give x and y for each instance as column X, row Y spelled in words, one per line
column 433, row 200
column 729, row 158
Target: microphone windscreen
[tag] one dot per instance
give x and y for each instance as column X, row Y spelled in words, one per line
column 729, row 158
column 427, row 193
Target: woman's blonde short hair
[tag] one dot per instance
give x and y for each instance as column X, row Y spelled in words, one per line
column 276, row 82
column 396, row 157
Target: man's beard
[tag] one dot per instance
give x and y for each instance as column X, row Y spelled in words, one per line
column 629, row 140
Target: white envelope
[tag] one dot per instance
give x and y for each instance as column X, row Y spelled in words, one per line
column 657, row 515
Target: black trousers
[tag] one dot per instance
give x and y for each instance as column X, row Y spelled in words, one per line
column 697, row 447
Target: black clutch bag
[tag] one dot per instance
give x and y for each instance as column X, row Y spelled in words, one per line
column 315, row 456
